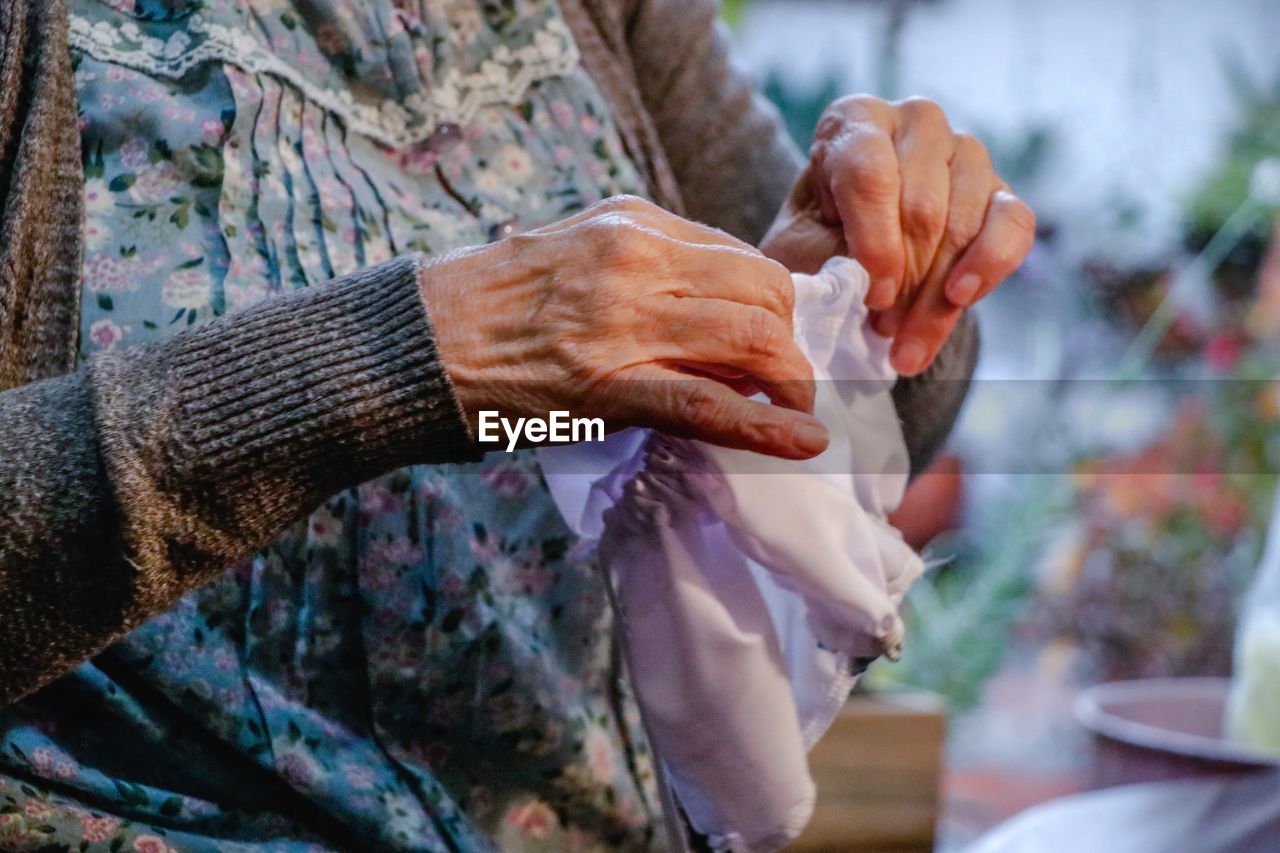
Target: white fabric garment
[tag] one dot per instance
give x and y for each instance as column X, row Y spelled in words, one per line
column 750, row 590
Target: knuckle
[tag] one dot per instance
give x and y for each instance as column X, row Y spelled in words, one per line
column 601, row 234
column 696, row 406
column 829, row 127
column 718, row 236
column 923, row 109
column 619, row 241
column 758, row 333
column 1019, row 213
column 622, row 204
column 871, row 175
column 734, row 252
column 925, row 212
column 961, row 232
column 964, row 226
column 845, row 110
column 774, row 281
column 629, row 237
column 526, row 243
column 605, row 208
column 969, row 149
column 784, row 292
column 1002, row 256
column 857, row 102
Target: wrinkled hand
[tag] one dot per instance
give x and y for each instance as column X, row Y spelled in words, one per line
column 917, row 204
column 625, row 312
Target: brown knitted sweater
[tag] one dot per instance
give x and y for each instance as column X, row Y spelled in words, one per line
column 128, row 482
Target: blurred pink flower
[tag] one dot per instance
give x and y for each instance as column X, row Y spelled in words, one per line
column 534, row 818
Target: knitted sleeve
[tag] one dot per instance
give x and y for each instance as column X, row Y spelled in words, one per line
column 133, row 480
column 726, row 144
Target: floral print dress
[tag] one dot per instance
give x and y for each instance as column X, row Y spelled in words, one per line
column 426, row 663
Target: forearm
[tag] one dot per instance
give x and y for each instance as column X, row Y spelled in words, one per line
column 142, row 475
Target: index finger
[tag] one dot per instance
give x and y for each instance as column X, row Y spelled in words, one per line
column 707, row 410
column 865, row 186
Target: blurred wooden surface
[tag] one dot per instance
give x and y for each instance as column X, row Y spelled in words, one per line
column 878, row 771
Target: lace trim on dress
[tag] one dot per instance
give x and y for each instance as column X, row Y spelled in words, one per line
column 503, row 78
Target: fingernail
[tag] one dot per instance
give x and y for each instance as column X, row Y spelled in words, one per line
column 909, row 357
column 964, row 289
column 882, row 292
column 811, row 437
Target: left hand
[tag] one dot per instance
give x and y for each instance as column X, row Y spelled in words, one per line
column 917, row 204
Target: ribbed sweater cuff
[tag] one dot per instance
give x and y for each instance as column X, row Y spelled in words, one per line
column 319, row 390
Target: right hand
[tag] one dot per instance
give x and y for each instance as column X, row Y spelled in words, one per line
column 625, row 312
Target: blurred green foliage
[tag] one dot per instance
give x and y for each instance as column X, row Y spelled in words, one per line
column 1022, row 157
column 802, row 106
column 732, row 11
column 1257, row 138
column 960, row 615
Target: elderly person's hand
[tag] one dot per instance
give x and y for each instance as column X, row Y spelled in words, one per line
column 623, row 312
column 917, row 204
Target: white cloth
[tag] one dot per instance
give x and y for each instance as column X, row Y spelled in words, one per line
column 752, row 590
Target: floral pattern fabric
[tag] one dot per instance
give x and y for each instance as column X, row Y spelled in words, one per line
column 427, row 662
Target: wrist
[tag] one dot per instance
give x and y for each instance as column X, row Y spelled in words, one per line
column 476, row 301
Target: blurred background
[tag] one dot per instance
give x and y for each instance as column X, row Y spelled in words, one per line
column 1101, row 510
